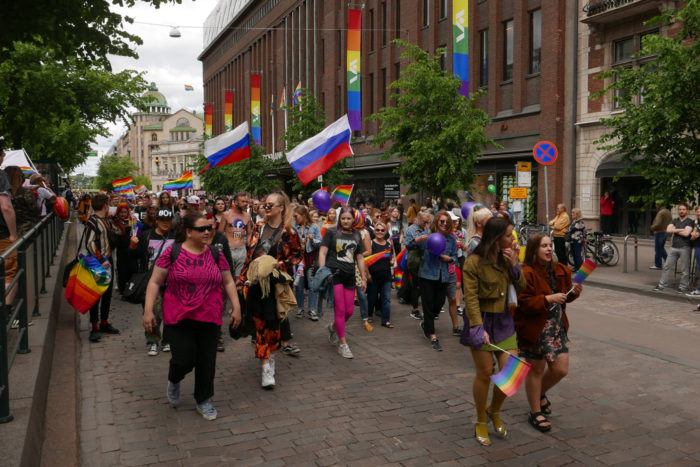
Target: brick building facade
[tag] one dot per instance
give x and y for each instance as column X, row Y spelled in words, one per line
column 517, row 54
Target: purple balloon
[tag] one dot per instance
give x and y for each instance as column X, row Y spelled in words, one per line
column 322, row 200
column 436, row 243
column 466, row 209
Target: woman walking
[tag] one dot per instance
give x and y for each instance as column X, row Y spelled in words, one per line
column 380, row 280
column 488, row 272
column 192, row 305
column 121, row 224
column 475, row 227
column 218, row 212
column 435, row 276
column 341, row 250
column 310, row 238
column 542, row 325
column 577, row 237
column 396, row 229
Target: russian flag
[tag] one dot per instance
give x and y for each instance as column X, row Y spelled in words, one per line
column 228, row 148
column 317, row 154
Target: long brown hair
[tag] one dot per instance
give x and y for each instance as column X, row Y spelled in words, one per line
column 436, row 219
column 494, row 229
column 304, row 211
column 533, row 244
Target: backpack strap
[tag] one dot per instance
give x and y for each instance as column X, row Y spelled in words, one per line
column 177, row 247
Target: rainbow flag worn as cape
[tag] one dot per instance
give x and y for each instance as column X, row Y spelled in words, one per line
column 372, row 259
column 584, row 271
column 123, row 184
column 181, row 183
column 27, row 170
column 342, row 194
column 512, row 375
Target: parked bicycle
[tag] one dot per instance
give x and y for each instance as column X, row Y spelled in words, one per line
column 600, row 248
column 524, row 230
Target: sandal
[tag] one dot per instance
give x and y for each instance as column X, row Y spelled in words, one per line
column 483, row 440
column 501, row 430
column 388, row 325
column 537, row 423
column 370, row 320
column 545, row 408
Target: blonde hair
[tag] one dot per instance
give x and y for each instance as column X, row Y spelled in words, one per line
column 285, row 203
column 479, row 214
column 576, row 212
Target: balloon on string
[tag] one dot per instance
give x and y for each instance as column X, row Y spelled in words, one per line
column 436, row 243
column 467, row 208
column 322, row 200
column 492, row 188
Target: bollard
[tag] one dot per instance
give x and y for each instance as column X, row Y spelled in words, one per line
column 636, row 254
column 624, row 256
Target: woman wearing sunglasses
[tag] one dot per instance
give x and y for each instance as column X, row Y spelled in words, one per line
column 379, row 284
column 310, row 237
column 192, row 304
column 275, row 237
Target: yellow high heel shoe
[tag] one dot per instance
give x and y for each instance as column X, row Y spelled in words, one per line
column 498, row 425
column 483, row 440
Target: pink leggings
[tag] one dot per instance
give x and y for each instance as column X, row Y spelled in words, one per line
column 344, row 306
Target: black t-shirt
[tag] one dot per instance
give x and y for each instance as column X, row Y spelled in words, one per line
column 342, row 249
column 141, row 212
column 381, row 270
column 680, row 241
column 5, row 190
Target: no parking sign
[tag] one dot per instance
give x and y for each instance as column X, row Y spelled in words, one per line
column 545, row 152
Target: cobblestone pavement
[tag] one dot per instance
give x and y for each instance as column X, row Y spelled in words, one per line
column 397, row 403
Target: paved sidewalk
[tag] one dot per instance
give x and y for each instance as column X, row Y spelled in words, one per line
column 397, row 403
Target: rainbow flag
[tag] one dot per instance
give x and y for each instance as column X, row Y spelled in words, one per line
column 27, row 170
column 188, row 87
column 401, row 259
column 584, row 271
column 123, row 184
column 460, row 42
column 372, row 259
column 181, row 183
column 512, row 375
column 283, row 99
column 297, row 94
column 354, row 60
column 342, row 194
column 208, row 120
column 141, row 189
column 255, row 108
column 398, row 278
column 228, row 110
column 129, row 193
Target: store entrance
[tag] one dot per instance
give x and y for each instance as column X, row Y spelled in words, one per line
column 629, row 217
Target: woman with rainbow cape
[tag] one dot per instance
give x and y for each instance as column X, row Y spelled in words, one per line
column 541, row 325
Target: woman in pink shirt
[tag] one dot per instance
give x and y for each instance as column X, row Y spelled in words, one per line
column 192, row 304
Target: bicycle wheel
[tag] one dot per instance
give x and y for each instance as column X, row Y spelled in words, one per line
column 609, row 254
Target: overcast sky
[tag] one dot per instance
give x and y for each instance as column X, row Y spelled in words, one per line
column 170, row 63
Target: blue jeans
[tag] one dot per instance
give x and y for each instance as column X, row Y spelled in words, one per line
column 381, row 290
column 299, row 291
column 576, row 250
column 659, row 250
column 362, row 298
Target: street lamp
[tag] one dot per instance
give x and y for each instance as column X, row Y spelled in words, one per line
column 158, row 165
column 175, row 32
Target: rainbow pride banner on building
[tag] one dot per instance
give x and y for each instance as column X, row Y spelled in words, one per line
column 354, row 59
column 342, row 194
column 460, row 42
column 208, row 120
column 182, row 183
column 123, row 184
column 228, row 111
column 255, row 108
column 512, row 375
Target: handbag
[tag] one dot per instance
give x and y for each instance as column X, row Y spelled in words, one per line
column 135, row 290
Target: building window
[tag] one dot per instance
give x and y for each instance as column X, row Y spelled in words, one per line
column 397, row 74
column 339, row 42
column 484, row 58
column 384, row 84
column 370, row 88
column 154, row 137
column 338, row 100
column 620, row 95
column 426, row 12
column 443, row 59
column 535, row 40
column 443, row 9
column 370, row 19
column 397, row 20
column 182, row 121
column 623, row 49
column 384, row 24
column 323, row 55
column 508, row 50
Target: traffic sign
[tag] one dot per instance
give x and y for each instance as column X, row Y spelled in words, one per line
column 545, row 152
column 519, row 192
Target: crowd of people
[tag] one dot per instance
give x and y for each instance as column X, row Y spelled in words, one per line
column 236, row 260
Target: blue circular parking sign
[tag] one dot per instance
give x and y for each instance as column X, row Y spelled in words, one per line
column 545, row 152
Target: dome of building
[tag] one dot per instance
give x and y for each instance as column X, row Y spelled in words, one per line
column 158, row 103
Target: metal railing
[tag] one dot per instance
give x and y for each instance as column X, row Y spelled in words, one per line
column 636, row 253
column 36, row 251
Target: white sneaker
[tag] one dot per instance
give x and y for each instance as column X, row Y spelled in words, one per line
column 272, row 364
column 166, row 348
column 268, row 377
column 332, row 335
column 153, row 350
column 344, row 350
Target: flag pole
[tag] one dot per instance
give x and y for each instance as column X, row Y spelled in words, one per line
column 504, row 350
column 272, row 115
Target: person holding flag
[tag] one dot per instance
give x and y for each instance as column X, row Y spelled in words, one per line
column 379, row 264
column 489, row 329
column 541, row 325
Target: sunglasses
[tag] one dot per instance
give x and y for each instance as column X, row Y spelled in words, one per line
column 379, row 230
column 442, row 221
column 270, row 206
column 204, row 228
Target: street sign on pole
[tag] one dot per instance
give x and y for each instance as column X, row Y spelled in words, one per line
column 545, row 152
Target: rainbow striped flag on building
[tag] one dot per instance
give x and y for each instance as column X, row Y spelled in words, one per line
column 512, row 375
column 372, row 259
column 123, row 184
column 255, row 108
column 460, row 43
column 297, row 93
column 354, row 61
column 183, row 183
column 342, row 194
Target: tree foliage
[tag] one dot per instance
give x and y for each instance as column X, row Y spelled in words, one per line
column 438, row 133
column 111, row 168
column 307, row 119
column 658, row 131
column 252, row 175
column 143, row 180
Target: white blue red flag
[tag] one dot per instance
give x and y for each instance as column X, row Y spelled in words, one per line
column 317, row 154
column 228, row 148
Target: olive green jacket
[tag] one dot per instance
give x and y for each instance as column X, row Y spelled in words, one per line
column 486, row 287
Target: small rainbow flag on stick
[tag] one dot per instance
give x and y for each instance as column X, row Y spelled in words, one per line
column 123, row 184
column 584, row 271
column 372, row 259
column 512, row 375
column 141, row 189
column 342, row 194
column 27, row 170
column 181, row 183
column 189, row 88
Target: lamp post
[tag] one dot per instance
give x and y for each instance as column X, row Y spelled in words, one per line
column 157, row 165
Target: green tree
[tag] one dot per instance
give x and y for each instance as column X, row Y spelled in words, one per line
column 658, row 131
column 306, row 119
column 143, row 180
column 438, row 133
column 111, row 168
column 252, row 175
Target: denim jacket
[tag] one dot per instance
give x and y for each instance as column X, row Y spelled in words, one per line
column 312, row 229
column 411, row 233
column 433, row 268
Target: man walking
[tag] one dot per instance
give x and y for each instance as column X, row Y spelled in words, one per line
column 658, row 228
column 695, row 239
column 681, row 227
